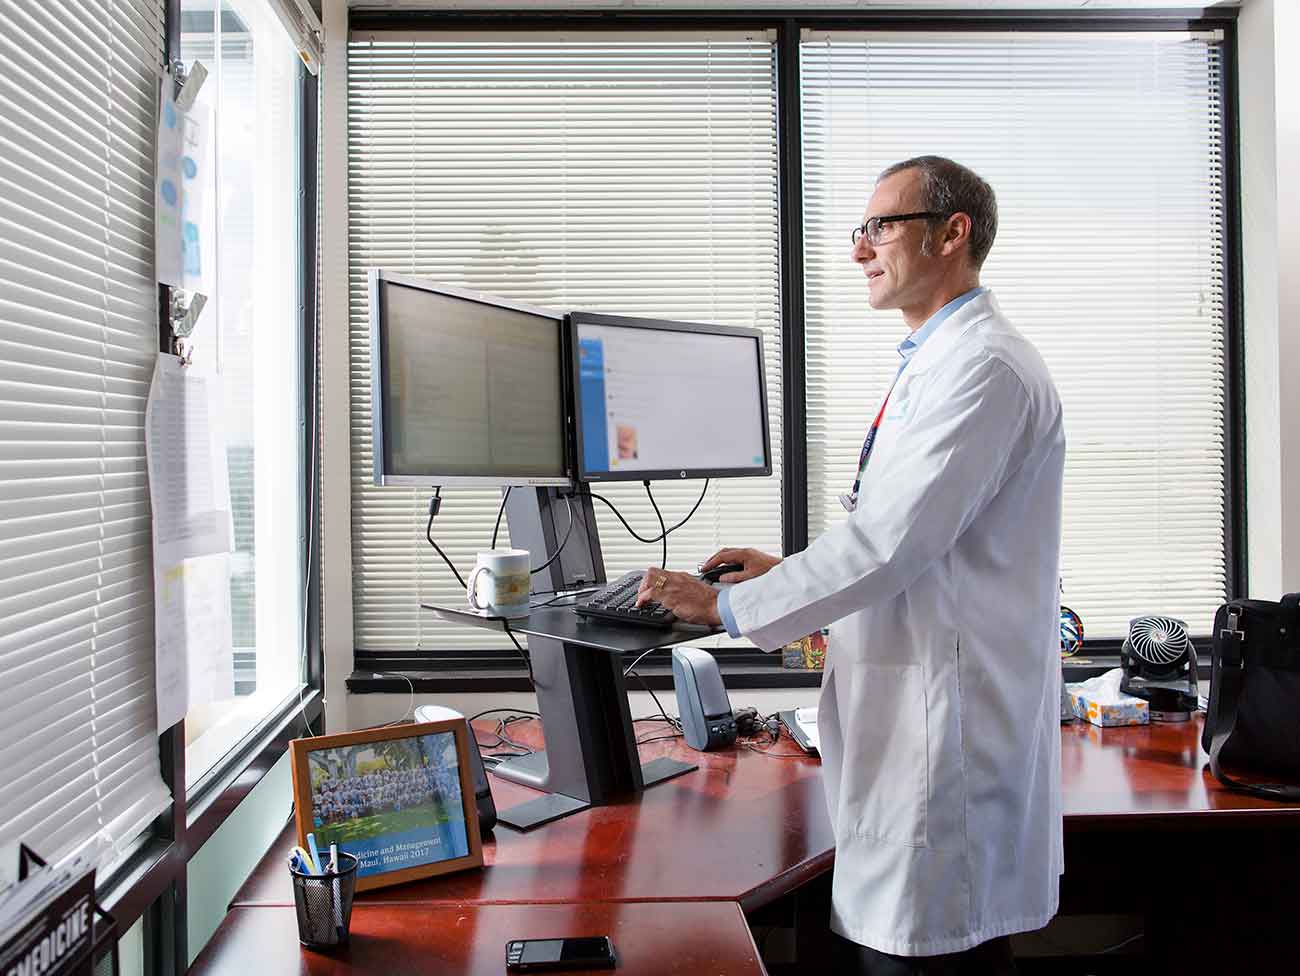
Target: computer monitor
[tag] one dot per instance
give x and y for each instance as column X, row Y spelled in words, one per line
column 657, row 399
column 468, row 389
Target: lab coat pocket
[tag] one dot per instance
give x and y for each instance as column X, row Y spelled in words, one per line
column 886, row 764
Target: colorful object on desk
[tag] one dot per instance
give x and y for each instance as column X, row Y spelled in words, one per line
column 413, row 814
column 805, row 654
column 315, row 854
column 323, row 905
column 302, row 859
column 1100, row 701
column 1071, row 632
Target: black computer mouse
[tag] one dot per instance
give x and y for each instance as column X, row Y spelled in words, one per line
column 712, row 575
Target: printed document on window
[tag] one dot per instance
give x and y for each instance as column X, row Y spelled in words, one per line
column 184, row 212
column 189, row 490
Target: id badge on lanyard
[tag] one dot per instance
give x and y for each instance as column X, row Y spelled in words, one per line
column 850, row 498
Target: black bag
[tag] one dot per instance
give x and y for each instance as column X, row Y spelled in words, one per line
column 1253, row 719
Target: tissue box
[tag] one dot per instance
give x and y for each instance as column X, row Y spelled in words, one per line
column 1124, row 710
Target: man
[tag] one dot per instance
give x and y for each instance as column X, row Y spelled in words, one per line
column 939, row 706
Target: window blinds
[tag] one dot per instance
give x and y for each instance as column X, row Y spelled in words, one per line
column 78, row 327
column 1106, row 153
column 632, row 174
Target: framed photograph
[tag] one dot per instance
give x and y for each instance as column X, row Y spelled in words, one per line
column 401, row 799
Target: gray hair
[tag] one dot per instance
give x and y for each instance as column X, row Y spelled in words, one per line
column 948, row 188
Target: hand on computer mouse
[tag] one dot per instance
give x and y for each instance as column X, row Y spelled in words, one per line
column 750, row 562
column 716, row 573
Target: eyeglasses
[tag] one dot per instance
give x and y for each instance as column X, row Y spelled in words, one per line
column 874, row 228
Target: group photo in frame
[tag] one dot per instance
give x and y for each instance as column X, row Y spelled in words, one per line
column 400, row 799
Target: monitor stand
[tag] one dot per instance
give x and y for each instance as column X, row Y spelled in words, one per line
column 591, row 754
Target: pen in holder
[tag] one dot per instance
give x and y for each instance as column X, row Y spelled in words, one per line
column 324, row 903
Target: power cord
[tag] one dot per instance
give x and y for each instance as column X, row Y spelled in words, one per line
column 672, row 723
column 512, row 715
column 500, row 511
column 520, row 712
column 675, row 723
column 435, row 503
column 505, row 740
column 663, row 533
column 496, row 529
column 522, row 653
column 568, row 595
column 636, row 535
column 751, row 726
column 563, row 542
column 410, row 705
column 632, row 667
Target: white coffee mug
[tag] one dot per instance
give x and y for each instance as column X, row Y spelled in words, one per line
column 506, row 582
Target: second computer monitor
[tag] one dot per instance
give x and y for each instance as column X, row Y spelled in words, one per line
column 659, row 399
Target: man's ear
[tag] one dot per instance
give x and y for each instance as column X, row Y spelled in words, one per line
column 955, row 233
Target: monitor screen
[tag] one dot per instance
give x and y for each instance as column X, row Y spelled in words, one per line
column 659, row 399
column 468, row 389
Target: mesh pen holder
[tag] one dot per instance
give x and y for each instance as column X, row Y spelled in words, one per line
column 324, row 904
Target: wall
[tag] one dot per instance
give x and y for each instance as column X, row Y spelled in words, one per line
column 1269, row 35
column 335, row 459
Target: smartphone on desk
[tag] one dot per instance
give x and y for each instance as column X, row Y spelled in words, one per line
column 543, row 955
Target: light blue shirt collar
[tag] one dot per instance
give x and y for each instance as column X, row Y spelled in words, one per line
column 913, row 342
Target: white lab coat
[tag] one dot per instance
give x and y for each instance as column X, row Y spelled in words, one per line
column 939, row 718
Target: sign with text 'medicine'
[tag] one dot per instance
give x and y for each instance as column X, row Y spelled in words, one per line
column 58, row 940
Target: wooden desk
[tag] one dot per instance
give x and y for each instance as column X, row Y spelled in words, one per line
column 1147, row 831
column 744, row 827
column 660, row 939
column 1142, row 775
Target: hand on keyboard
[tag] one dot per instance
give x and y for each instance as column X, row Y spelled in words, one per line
column 618, row 602
column 693, row 602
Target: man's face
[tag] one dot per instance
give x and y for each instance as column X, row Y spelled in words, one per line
column 898, row 274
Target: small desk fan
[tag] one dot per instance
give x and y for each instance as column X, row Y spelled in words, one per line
column 1159, row 665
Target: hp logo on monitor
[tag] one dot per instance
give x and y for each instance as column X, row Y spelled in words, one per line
column 681, row 474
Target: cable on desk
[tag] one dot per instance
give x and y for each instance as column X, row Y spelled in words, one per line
column 672, row 723
column 503, row 739
column 770, row 727
column 658, row 738
column 510, row 711
column 658, row 704
column 640, row 538
column 504, row 724
column 435, row 503
column 663, row 533
column 567, row 595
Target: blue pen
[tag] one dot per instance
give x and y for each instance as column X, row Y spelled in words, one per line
column 304, row 860
column 315, row 854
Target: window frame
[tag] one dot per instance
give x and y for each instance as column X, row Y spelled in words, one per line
column 149, row 884
column 450, row 670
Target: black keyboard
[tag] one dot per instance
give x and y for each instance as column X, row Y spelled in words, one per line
column 617, row 602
